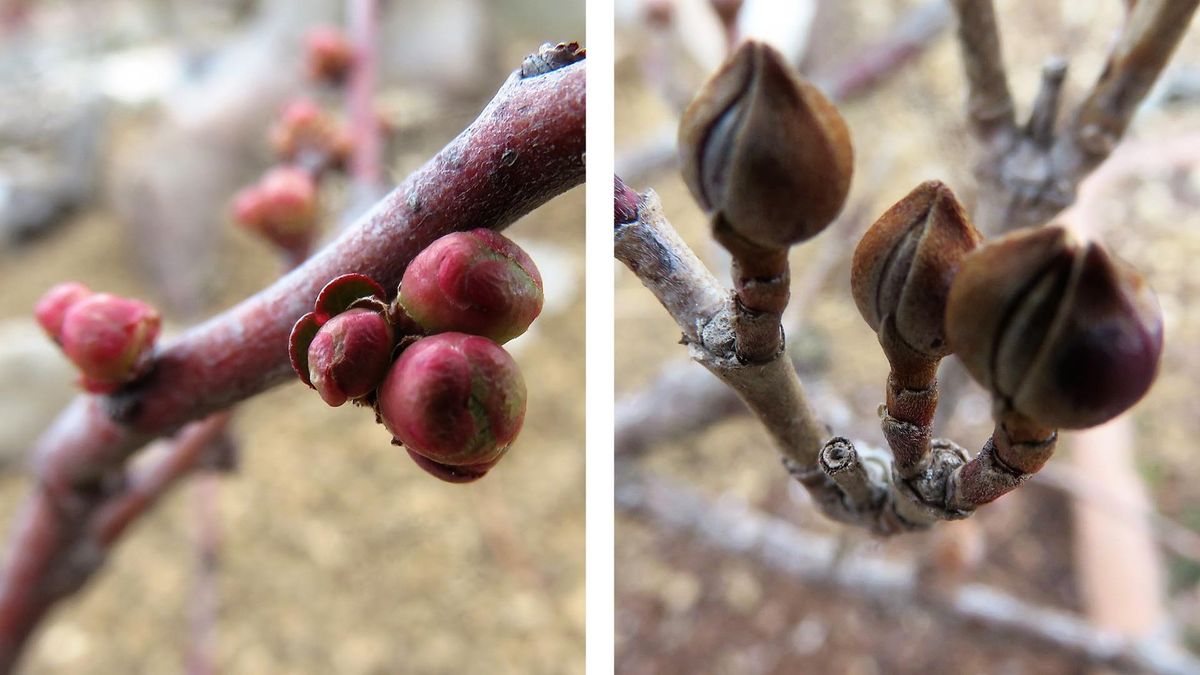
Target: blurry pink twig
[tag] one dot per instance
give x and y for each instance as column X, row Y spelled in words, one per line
column 366, row 162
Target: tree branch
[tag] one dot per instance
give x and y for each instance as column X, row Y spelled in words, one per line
column 525, row 147
column 1027, row 176
column 737, row 529
column 989, row 104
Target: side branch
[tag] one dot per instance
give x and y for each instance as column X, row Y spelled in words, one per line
column 989, row 103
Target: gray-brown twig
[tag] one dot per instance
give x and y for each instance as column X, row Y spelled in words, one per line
column 1028, row 175
column 735, row 528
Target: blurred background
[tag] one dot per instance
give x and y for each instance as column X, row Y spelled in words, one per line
column 723, row 564
column 126, row 127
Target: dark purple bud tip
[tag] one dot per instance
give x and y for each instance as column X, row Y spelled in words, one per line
column 301, row 337
column 52, row 308
column 476, row 282
column 467, row 473
column 457, row 400
column 1057, row 329
column 110, row 339
column 350, row 355
column 342, row 292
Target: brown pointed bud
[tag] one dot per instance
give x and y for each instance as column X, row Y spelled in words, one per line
column 905, row 262
column 1056, row 328
column 765, row 151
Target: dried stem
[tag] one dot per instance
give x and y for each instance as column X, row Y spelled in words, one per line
column 925, row 481
column 989, row 103
column 526, row 147
column 1028, row 176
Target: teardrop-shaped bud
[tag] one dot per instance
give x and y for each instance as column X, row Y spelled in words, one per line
column 905, row 262
column 110, row 339
column 1056, row 328
column 455, row 400
column 52, row 308
column 349, row 356
column 765, row 152
column 282, row 208
column 478, row 282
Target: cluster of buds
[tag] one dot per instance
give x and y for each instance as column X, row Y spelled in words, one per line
column 330, row 55
column 310, row 137
column 110, row 339
column 282, row 208
column 1060, row 333
column 454, row 397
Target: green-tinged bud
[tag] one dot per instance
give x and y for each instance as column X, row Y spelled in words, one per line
column 478, row 282
column 905, row 263
column 456, row 402
column 765, row 152
column 1056, row 328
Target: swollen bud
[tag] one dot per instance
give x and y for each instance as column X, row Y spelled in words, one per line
column 905, row 262
column 456, row 402
column 476, row 282
column 1056, row 328
column 330, row 54
column 110, row 339
column 308, row 136
column 52, row 308
column 281, row 208
column 765, row 151
column 349, row 355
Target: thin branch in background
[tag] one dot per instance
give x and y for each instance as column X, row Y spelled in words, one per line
column 501, row 167
column 1027, row 176
column 366, row 163
column 990, row 107
column 871, row 66
column 732, row 527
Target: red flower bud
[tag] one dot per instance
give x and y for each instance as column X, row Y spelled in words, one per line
column 282, row 208
column 110, row 339
column 350, row 355
column 330, row 54
column 310, row 137
column 477, row 282
column 1056, row 328
column 52, row 307
column 456, row 401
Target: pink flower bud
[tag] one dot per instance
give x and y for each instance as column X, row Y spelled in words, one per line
column 282, row 207
column 309, row 136
column 110, row 339
column 477, row 282
column 456, row 402
column 330, row 54
column 52, row 307
column 350, row 355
